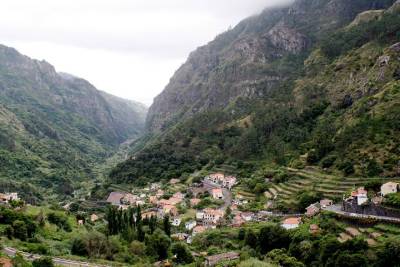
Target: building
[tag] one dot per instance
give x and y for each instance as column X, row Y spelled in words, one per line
column 174, row 181
column 326, row 203
column 178, row 195
column 129, row 199
column 215, row 259
column 190, row 225
column 217, row 193
column 314, row 229
column 176, row 222
column 155, row 186
column 5, row 198
column 361, row 195
column 247, row 216
column 115, row 198
column 94, row 217
column 149, row 214
column 238, row 221
column 216, row 177
column 169, row 210
column 180, row 236
column 199, row 215
column 160, row 193
column 212, row 215
column 153, row 200
column 175, row 201
column 198, row 230
column 194, row 202
column 313, row 209
column 389, row 188
column 229, row 182
column 291, row 223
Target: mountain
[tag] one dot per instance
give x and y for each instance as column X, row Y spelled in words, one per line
column 55, row 127
column 311, row 83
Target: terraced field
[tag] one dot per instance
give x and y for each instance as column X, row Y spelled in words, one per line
column 311, row 179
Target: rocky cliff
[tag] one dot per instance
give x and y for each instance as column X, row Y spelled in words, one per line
column 313, row 83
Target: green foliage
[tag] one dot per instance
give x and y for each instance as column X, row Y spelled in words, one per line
column 43, row 262
column 281, row 258
column 384, row 30
column 393, row 200
column 307, row 198
column 182, row 253
column 59, row 219
column 158, row 245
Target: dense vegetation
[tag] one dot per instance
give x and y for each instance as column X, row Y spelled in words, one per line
column 316, row 114
column 55, row 128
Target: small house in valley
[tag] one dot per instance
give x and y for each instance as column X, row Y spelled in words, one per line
column 291, row 223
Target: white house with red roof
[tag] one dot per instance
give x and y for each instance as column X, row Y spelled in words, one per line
column 217, row 193
column 361, row 194
column 291, row 223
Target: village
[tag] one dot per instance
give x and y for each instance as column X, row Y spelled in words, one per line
column 212, row 203
column 191, row 211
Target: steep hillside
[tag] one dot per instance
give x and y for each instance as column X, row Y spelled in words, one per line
column 293, row 86
column 55, row 127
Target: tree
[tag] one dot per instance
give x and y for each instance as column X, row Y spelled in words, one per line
column 137, row 248
column 272, row 237
column 43, row 262
column 167, row 225
column 347, row 259
column 251, row 239
column 20, row 230
column 182, row 253
column 389, row 254
column 79, row 247
column 280, row 257
column 157, row 245
column 19, row 261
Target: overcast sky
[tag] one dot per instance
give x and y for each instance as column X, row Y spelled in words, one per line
column 129, row 48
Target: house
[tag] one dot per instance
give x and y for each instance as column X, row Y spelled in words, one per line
column 217, row 193
column 326, row 202
column 216, row 177
column 175, row 201
column 361, row 195
column 194, row 202
column 190, row 225
column 215, row 259
column 174, row 181
column 238, row 221
column 212, row 215
column 94, row 217
column 129, row 199
column 8, row 197
column 198, row 230
column 176, row 222
column 291, row 223
column 149, row 214
column 313, row 209
column 169, row 210
column 140, row 203
column 314, row 229
column 178, row 195
column 155, row 186
column 123, row 207
column 153, row 200
column 180, row 236
column 115, row 198
column 229, row 182
column 80, row 222
column 389, row 188
column 247, row 216
column 159, row 193
column 199, row 215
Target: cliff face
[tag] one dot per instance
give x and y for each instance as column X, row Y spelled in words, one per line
column 237, row 62
column 314, row 83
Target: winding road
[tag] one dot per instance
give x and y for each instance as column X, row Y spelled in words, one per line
column 58, row 261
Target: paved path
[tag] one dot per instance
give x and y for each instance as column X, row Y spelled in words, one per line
column 58, row 261
column 338, row 210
